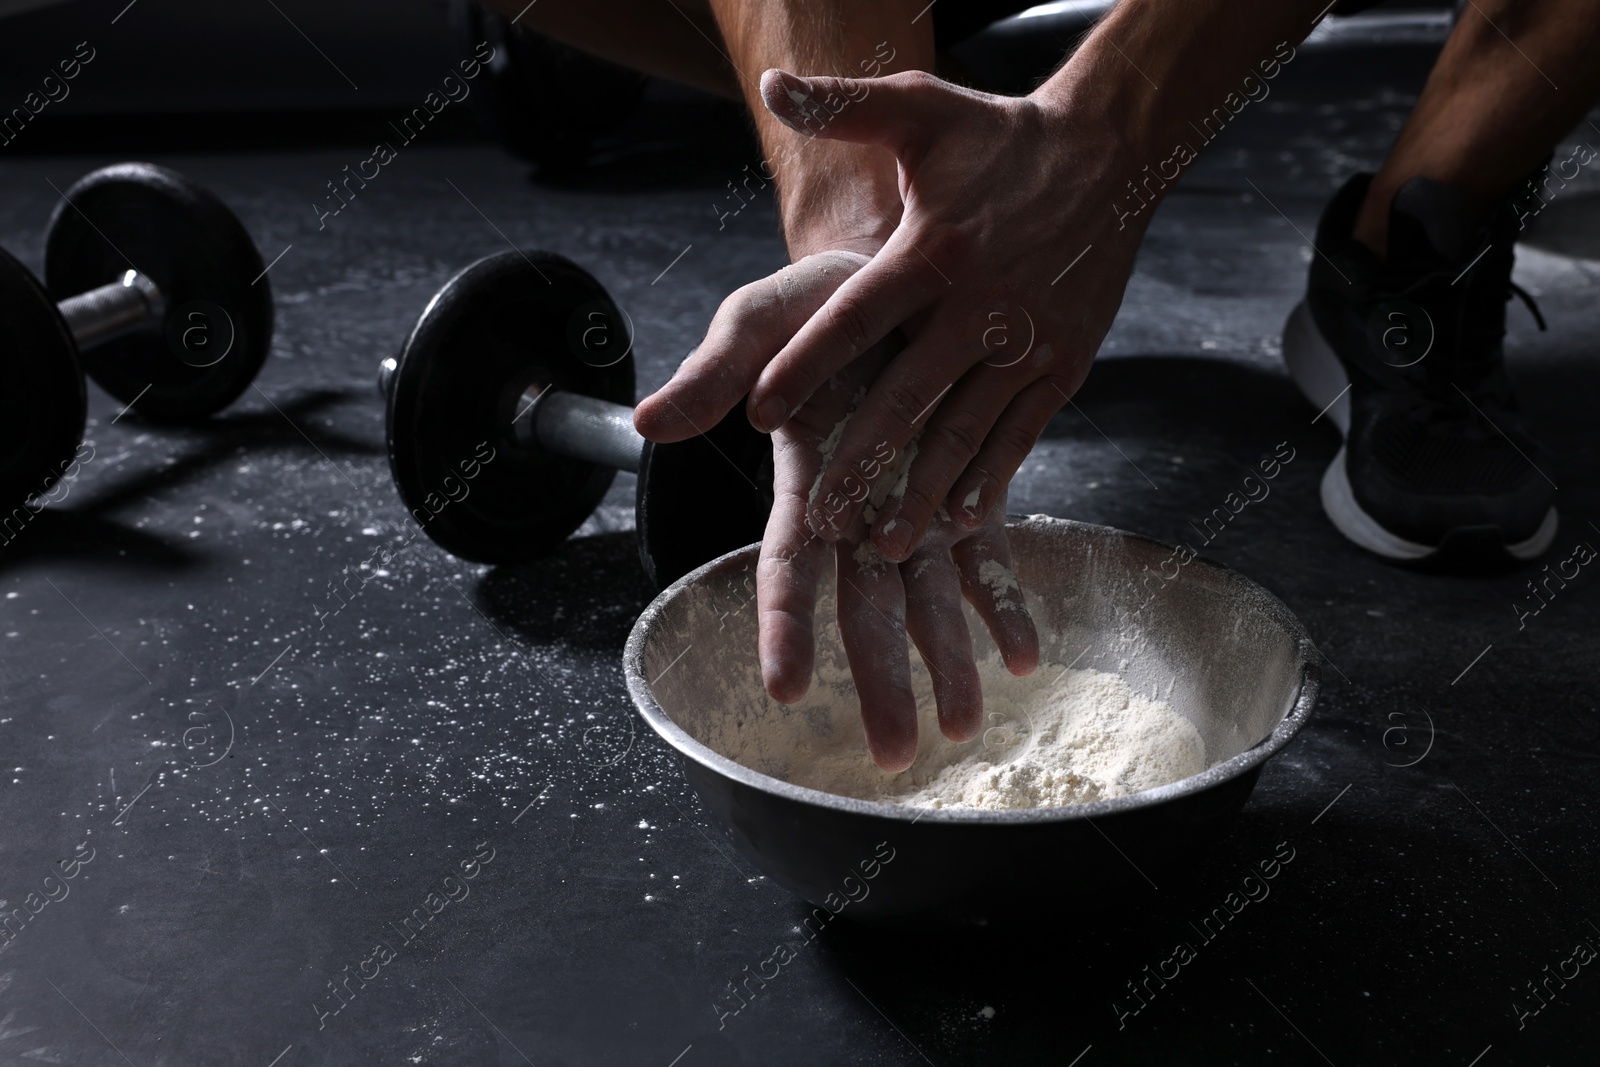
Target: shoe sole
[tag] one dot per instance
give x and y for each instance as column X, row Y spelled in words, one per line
column 1320, row 377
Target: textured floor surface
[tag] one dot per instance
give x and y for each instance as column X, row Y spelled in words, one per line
column 270, row 779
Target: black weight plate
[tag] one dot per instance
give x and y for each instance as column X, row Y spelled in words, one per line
column 185, row 240
column 702, row 497
column 502, row 324
column 42, row 404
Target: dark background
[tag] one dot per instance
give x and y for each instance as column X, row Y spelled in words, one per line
column 1441, row 805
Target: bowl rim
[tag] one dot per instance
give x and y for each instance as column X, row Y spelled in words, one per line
column 1299, row 713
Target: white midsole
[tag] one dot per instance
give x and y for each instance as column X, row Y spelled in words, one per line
column 1339, row 502
column 1315, row 367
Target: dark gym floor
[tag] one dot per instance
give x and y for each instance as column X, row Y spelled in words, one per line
column 268, row 786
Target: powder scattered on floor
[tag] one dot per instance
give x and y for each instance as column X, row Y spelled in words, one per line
column 1053, row 738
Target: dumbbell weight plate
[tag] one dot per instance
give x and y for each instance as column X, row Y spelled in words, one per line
column 42, row 405
column 501, row 325
column 702, row 497
column 219, row 305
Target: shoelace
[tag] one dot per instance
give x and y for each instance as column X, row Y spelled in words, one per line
column 1483, row 321
column 1418, row 285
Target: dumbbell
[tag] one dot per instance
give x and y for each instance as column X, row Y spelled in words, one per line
column 509, row 415
column 153, row 287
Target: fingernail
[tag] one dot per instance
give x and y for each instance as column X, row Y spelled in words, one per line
column 770, row 414
column 969, row 514
column 790, row 101
column 894, row 540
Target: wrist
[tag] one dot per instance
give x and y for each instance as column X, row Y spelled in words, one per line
column 847, row 201
column 1084, row 104
column 1111, row 153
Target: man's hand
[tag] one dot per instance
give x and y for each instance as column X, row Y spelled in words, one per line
column 1020, row 221
column 1001, row 198
column 1001, row 233
column 879, row 602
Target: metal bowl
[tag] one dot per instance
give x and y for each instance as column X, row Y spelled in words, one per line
column 1240, row 667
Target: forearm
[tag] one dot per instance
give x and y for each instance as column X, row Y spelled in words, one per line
column 1161, row 78
column 646, row 35
column 830, row 194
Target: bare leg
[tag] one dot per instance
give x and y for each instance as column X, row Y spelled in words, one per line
column 830, row 191
column 678, row 41
column 1513, row 78
column 832, row 195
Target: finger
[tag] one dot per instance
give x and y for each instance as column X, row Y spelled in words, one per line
column 792, row 558
column 892, row 288
column 898, row 112
column 787, row 574
column 1008, row 443
column 937, row 625
column 872, row 625
column 873, row 449
column 823, row 419
column 949, row 441
column 984, row 563
column 750, row 327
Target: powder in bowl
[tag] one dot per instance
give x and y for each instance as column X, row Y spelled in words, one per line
column 1056, row 737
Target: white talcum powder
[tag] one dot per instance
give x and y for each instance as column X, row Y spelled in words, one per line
column 1054, row 738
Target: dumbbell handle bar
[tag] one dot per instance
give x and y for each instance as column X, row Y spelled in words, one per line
column 127, row 305
column 571, row 424
column 568, row 424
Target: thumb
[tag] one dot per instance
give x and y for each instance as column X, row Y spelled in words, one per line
column 889, row 111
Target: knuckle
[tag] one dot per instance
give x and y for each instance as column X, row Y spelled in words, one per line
column 746, row 305
column 849, row 319
column 1015, row 442
column 904, row 405
column 960, row 433
column 952, row 657
column 917, row 501
column 785, row 567
column 915, row 79
column 946, row 244
column 1057, row 389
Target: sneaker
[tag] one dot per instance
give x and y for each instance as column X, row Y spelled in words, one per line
column 1405, row 357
